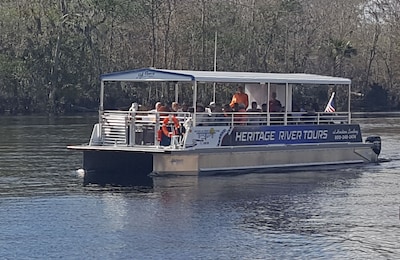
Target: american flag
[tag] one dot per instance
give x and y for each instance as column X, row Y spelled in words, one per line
column 330, row 107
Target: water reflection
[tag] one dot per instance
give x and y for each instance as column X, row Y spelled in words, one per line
column 342, row 214
column 305, row 214
column 34, row 158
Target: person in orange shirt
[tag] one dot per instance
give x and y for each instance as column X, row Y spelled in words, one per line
column 240, row 97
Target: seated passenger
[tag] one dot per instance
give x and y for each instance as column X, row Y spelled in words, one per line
column 254, row 107
column 157, row 107
column 255, row 113
column 164, row 111
column 310, row 117
column 227, row 114
column 201, row 116
column 215, row 115
column 185, row 107
column 176, row 107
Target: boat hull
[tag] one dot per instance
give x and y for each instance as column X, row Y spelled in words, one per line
column 133, row 163
column 264, row 159
column 117, row 167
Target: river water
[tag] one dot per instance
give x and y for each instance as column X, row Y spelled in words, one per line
column 47, row 213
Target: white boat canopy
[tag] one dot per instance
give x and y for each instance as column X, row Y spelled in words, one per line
column 264, row 79
column 151, row 74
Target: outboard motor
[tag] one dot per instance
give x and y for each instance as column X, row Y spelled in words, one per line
column 376, row 141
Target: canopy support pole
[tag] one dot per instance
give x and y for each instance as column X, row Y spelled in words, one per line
column 348, row 105
column 194, row 102
column 176, row 92
column 268, row 97
column 101, row 107
column 286, row 103
column 215, row 62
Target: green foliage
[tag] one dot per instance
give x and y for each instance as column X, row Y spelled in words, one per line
column 377, row 99
column 53, row 52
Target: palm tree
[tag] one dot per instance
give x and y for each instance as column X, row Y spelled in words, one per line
column 340, row 49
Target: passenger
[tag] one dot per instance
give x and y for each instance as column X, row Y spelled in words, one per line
column 254, row 107
column 296, row 113
column 164, row 111
column 254, row 117
column 210, row 108
column 219, row 118
column 215, row 115
column 240, row 97
column 264, row 113
column 274, row 104
column 157, row 107
column 201, row 115
column 170, row 126
column 185, row 107
column 134, row 107
column 175, row 107
column 227, row 112
column 264, row 107
column 177, row 110
column 310, row 117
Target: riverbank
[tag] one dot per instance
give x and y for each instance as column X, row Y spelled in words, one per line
column 375, row 114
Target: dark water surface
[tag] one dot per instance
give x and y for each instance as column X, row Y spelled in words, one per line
column 46, row 212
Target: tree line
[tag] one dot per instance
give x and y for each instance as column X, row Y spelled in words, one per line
column 52, row 52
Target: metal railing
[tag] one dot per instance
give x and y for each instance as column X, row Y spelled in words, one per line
column 128, row 128
column 260, row 118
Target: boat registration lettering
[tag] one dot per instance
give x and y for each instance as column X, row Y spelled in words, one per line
column 255, row 136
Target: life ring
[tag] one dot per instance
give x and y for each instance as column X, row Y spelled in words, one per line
column 174, row 131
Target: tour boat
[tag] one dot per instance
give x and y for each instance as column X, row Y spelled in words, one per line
column 135, row 142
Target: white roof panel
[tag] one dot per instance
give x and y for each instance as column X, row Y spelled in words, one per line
column 151, row 74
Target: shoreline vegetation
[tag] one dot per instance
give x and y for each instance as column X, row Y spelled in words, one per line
column 354, row 115
column 53, row 52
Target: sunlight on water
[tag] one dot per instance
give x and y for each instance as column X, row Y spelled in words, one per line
column 46, row 212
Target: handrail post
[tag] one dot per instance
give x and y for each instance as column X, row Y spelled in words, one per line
column 101, row 108
column 156, row 128
column 132, row 128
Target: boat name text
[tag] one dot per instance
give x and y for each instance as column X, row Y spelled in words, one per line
column 145, row 74
column 281, row 135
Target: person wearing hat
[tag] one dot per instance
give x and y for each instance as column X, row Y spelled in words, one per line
column 210, row 108
column 157, row 107
column 215, row 114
